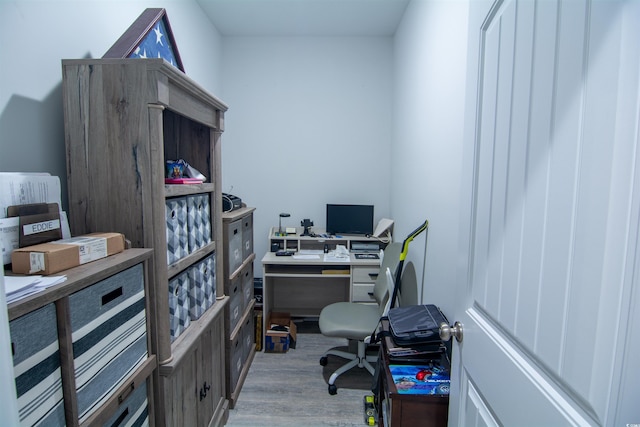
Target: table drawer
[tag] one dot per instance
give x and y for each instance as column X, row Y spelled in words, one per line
column 364, row 274
column 363, row 292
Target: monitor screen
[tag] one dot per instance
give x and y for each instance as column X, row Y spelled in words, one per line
column 349, row 219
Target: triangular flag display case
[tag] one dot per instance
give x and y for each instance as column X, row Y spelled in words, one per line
column 150, row 36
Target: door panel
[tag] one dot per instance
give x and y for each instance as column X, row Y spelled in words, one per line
column 550, row 239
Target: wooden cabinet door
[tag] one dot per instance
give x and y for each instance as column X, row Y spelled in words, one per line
column 211, row 376
column 180, row 392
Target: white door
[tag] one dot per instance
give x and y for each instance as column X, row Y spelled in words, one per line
column 550, row 262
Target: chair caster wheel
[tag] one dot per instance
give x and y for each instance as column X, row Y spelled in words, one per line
column 333, row 389
column 323, row 361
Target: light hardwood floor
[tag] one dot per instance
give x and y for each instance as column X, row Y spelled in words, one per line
column 289, row 390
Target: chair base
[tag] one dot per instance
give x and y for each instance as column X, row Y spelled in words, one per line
column 359, row 359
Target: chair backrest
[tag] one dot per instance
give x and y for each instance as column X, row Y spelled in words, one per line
column 390, row 286
column 390, row 260
column 408, row 294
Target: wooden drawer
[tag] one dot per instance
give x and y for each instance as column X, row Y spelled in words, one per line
column 36, row 365
column 109, row 335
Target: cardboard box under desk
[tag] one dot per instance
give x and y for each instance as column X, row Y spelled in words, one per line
column 279, row 341
column 53, row 257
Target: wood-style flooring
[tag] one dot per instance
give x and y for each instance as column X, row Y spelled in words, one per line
column 290, row 389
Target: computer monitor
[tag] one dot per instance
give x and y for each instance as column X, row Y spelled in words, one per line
column 349, row 219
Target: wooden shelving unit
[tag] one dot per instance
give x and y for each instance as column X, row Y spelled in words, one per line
column 124, row 118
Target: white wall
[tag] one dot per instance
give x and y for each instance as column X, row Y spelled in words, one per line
column 36, row 35
column 9, row 404
column 429, row 82
column 309, row 123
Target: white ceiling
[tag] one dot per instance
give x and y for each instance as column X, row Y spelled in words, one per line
column 305, row 17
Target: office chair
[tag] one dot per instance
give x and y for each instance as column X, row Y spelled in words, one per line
column 357, row 321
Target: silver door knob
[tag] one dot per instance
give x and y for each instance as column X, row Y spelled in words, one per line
column 446, row 331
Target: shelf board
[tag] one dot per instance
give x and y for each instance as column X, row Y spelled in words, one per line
column 183, row 345
column 176, row 190
column 189, row 260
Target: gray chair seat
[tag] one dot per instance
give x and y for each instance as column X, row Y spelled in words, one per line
column 349, row 320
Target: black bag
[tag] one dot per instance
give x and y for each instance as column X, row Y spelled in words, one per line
column 416, row 324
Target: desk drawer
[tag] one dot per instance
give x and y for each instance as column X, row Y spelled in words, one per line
column 362, row 292
column 364, row 274
column 109, row 334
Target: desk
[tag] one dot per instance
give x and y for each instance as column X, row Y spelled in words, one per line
column 303, row 287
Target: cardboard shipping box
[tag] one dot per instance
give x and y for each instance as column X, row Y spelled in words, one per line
column 281, row 333
column 52, row 257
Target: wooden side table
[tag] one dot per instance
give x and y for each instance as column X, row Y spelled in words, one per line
column 397, row 409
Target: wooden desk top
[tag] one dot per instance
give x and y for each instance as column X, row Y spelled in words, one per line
column 272, row 258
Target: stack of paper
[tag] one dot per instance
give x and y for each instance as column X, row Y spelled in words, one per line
column 17, row 287
column 21, row 188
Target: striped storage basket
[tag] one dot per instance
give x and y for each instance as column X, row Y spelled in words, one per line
column 109, row 334
column 36, row 365
column 134, row 411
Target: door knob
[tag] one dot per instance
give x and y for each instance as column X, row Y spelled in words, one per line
column 446, row 331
